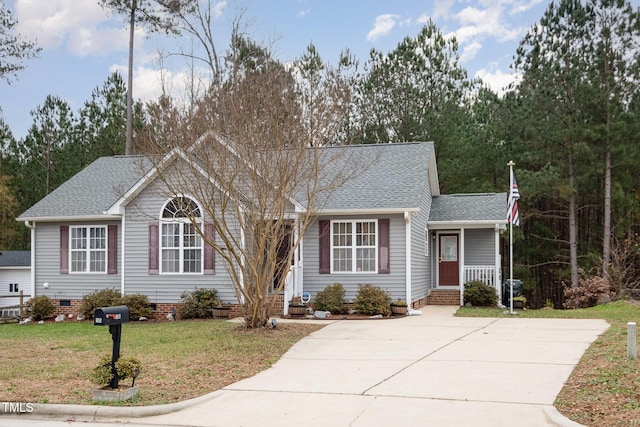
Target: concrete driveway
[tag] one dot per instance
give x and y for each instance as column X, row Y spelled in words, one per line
column 428, row 370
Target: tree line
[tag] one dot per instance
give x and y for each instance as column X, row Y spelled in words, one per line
column 570, row 125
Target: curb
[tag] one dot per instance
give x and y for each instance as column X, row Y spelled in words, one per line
column 556, row 418
column 93, row 412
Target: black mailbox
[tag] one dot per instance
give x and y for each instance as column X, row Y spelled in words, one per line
column 108, row 316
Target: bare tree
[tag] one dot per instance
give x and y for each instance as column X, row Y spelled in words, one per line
column 260, row 177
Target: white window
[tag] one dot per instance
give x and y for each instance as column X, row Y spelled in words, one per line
column 88, row 249
column 181, row 247
column 354, row 246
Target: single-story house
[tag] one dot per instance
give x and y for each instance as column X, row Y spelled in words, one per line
column 15, row 276
column 103, row 228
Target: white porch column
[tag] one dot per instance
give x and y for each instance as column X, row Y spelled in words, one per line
column 498, row 265
column 461, row 266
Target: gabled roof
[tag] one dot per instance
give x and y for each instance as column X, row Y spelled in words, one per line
column 392, row 179
column 464, row 208
column 92, row 191
column 15, row 259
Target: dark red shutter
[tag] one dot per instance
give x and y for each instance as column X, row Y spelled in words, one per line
column 153, row 248
column 383, row 246
column 325, row 246
column 209, row 252
column 112, row 249
column 64, row 249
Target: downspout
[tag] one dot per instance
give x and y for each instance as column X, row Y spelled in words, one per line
column 122, row 254
column 498, row 264
column 243, row 245
column 461, row 267
column 407, row 240
column 32, row 227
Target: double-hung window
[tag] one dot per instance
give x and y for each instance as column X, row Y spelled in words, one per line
column 354, row 246
column 88, row 249
column 181, row 247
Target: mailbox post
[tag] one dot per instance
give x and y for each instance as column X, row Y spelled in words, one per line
column 114, row 317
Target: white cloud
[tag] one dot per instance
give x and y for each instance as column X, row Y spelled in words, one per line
column 218, row 9
column 442, row 8
column 83, row 28
column 149, row 83
column 482, row 23
column 470, row 51
column 383, row 26
column 497, row 80
column 521, row 7
column 54, row 22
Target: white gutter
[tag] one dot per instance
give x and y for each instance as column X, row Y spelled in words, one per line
column 441, row 225
column 365, row 211
column 32, row 227
column 407, row 231
column 104, row 217
column 122, row 255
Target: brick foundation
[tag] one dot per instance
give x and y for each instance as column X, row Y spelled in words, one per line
column 160, row 311
column 444, row 297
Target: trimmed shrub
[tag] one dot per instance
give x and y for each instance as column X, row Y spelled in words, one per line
column 372, row 300
column 586, row 293
column 479, row 294
column 40, row 307
column 97, row 299
column 138, row 304
column 125, row 366
column 198, row 304
column 331, row 298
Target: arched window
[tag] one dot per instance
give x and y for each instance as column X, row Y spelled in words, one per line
column 181, row 247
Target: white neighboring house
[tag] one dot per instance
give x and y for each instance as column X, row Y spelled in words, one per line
column 15, row 276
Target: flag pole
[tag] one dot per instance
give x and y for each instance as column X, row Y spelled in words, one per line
column 511, row 165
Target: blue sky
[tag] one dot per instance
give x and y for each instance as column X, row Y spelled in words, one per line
column 82, row 44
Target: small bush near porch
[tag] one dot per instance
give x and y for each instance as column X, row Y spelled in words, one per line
column 479, row 294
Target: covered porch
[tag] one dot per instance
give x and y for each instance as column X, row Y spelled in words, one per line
column 463, row 255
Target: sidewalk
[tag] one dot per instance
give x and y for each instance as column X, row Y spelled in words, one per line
column 433, row 369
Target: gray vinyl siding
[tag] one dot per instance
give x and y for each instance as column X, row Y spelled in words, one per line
column 421, row 271
column 479, row 246
column 394, row 283
column 161, row 288
column 71, row 285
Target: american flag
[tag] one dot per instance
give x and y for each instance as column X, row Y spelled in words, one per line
column 514, row 195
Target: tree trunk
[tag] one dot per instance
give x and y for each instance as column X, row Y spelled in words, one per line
column 573, row 224
column 129, row 130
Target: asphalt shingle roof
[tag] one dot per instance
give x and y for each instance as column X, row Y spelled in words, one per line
column 93, row 190
column 469, row 207
column 15, row 258
column 381, row 176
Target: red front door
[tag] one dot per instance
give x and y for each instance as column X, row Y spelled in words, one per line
column 449, row 271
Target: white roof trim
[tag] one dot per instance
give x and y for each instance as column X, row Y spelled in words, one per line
column 441, row 225
column 365, row 211
column 117, row 207
column 105, row 217
column 433, row 174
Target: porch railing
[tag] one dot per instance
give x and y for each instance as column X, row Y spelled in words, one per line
column 485, row 273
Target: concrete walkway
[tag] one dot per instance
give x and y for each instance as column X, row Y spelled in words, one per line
column 433, row 369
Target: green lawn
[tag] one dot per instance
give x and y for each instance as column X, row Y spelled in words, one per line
column 604, row 389
column 49, row 363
